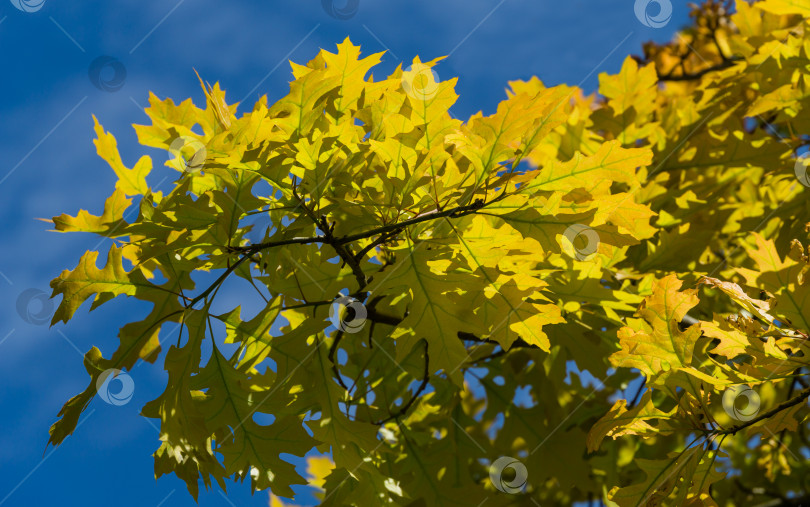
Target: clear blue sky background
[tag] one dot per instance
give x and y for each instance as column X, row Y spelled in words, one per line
column 49, row 166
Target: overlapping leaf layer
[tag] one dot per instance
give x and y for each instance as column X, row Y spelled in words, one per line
column 439, row 293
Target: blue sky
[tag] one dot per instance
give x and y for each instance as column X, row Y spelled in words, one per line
column 49, row 166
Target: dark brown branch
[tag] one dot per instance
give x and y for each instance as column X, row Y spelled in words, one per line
column 458, row 211
column 338, row 243
column 697, row 75
column 343, row 252
column 310, row 303
column 218, row 281
column 380, row 240
column 373, row 315
column 270, row 244
column 717, row 45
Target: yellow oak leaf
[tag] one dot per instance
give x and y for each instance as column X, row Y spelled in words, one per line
column 130, row 181
column 654, row 344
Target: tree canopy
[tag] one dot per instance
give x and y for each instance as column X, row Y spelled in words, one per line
column 578, row 297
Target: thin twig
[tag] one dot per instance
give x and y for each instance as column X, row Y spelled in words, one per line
column 332, row 351
column 402, row 411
